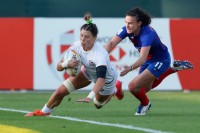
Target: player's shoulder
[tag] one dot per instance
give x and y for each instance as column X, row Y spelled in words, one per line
column 76, row 45
column 148, row 29
column 100, row 50
column 99, row 47
column 122, row 31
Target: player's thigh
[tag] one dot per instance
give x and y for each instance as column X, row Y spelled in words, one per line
column 144, row 79
column 79, row 81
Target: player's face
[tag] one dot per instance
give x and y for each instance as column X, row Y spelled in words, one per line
column 87, row 39
column 132, row 25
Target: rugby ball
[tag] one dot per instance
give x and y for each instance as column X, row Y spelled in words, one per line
column 72, row 55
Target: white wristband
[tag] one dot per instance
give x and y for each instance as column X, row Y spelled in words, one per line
column 64, row 64
column 91, row 95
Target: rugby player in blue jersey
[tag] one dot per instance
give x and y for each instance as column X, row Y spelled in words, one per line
column 154, row 60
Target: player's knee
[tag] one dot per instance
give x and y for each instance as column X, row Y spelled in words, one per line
column 97, row 107
column 98, row 104
column 59, row 92
column 68, row 85
column 132, row 87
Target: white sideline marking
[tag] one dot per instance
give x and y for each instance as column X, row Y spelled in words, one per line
column 147, row 130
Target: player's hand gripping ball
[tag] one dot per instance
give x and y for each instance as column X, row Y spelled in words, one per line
column 72, row 55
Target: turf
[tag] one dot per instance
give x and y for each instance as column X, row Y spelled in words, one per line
column 171, row 112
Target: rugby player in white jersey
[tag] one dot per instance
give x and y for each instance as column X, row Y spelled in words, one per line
column 96, row 67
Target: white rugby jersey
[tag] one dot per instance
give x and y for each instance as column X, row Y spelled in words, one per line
column 97, row 56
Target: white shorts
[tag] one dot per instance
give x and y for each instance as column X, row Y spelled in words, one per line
column 108, row 88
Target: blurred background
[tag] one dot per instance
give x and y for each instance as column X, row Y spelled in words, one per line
column 107, row 8
column 35, row 33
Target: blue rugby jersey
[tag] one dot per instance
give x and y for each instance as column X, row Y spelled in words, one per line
column 147, row 37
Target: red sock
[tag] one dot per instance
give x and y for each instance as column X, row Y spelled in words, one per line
column 163, row 76
column 142, row 97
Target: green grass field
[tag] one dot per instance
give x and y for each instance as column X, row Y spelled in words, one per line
column 175, row 112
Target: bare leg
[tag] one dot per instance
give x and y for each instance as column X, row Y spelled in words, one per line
column 57, row 97
column 140, row 85
column 102, row 100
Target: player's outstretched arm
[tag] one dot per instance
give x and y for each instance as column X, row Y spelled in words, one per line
column 112, row 43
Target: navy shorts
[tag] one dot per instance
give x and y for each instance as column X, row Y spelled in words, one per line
column 157, row 68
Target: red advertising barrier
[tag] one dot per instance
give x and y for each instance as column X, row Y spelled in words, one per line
column 185, row 45
column 16, row 53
